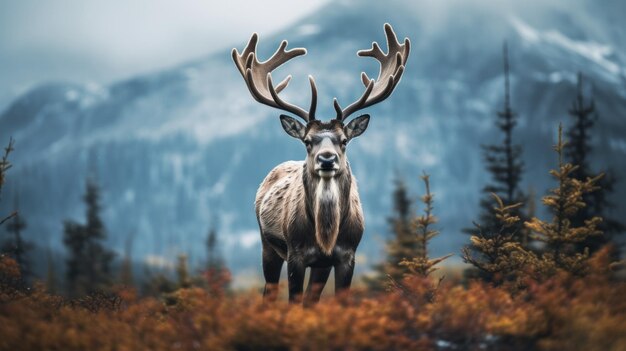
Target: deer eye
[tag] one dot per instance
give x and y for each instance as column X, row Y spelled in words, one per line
column 307, row 143
column 344, row 142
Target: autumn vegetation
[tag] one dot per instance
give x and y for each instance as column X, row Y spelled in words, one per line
column 561, row 313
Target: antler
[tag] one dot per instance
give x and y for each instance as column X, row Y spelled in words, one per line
column 258, row 77
column 391, row 69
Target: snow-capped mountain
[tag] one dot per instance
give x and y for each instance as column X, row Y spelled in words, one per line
column 177, row 150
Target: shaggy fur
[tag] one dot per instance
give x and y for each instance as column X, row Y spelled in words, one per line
column 294, row 206
column 327, row 214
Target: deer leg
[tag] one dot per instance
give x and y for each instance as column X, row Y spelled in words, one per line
column 343, row 273
column 317, row 281
column 295, row 276
column 272, row 265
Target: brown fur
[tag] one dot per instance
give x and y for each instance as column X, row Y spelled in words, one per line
column 282, row 201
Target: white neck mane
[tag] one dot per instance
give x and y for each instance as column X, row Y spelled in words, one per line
column 327, row 214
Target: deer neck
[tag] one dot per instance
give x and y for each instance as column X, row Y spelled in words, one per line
column 327, row 204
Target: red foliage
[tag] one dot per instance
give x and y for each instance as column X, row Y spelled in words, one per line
column 563, row 313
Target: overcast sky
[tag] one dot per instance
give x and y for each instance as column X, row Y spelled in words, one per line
column 106, row 40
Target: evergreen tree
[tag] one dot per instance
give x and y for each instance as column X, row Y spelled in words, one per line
column 216, row 275
column 214, row 260
column 5, row 165
column 504, row 163
column 16, row 246
column 157, row 283
column 182, row 272
column 530, row 212
column 561, row 235
column 421, row 264
column 11, row 280
column 507, row 260
column 578, row 152
column 416, row 285
column 499, row 256
column 126, row 270
column 407, row 250
column 402, row 245
column 51, row 274
column 89, row 261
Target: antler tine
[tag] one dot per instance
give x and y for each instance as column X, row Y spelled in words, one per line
column 239, row 59
column 257, row 76
column 391, row 70
column 282, row 104
column 313, row 106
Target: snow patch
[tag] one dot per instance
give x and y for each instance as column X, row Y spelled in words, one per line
column 157, row 261
column 555, row 77
column 592, row 51
column 525, row 31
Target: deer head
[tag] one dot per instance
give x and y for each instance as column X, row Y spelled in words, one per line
column 325, row 141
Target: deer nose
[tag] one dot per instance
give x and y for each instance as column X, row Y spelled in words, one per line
column 327, row 160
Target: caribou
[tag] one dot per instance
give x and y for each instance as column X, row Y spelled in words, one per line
column 309, row 212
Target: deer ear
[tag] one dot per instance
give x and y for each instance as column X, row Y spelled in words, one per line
column 356, row 126
column 292, row 127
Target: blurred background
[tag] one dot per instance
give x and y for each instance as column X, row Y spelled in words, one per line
column 142, row 97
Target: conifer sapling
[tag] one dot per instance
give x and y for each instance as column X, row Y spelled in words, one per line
column 422, row 264
column 560, row 234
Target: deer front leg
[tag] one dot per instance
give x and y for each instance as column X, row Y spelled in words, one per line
column 317, row 281
column 344, row 269
column 295, row 276
column 272, row 265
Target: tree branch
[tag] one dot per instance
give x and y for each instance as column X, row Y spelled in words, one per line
column 8, row 217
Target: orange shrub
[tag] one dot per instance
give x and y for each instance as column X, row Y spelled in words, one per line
column 563, row 313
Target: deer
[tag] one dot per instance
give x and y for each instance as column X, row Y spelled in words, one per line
column 309, row 212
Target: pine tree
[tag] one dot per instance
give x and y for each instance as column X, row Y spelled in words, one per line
column 421, row 264
column 16, row 246
column 89, row 261
column 5, row 165
column 561, row 235
column 214, row 260
column 499, row 256
column 157, row 283
column 182, row 272
column 403, row 244
column 504, row 163
column 126, row 270
column 416, row 284
column 530, row 211
column 51, row 274
column 11, row 281
column 216, row 275
column 578, row 152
